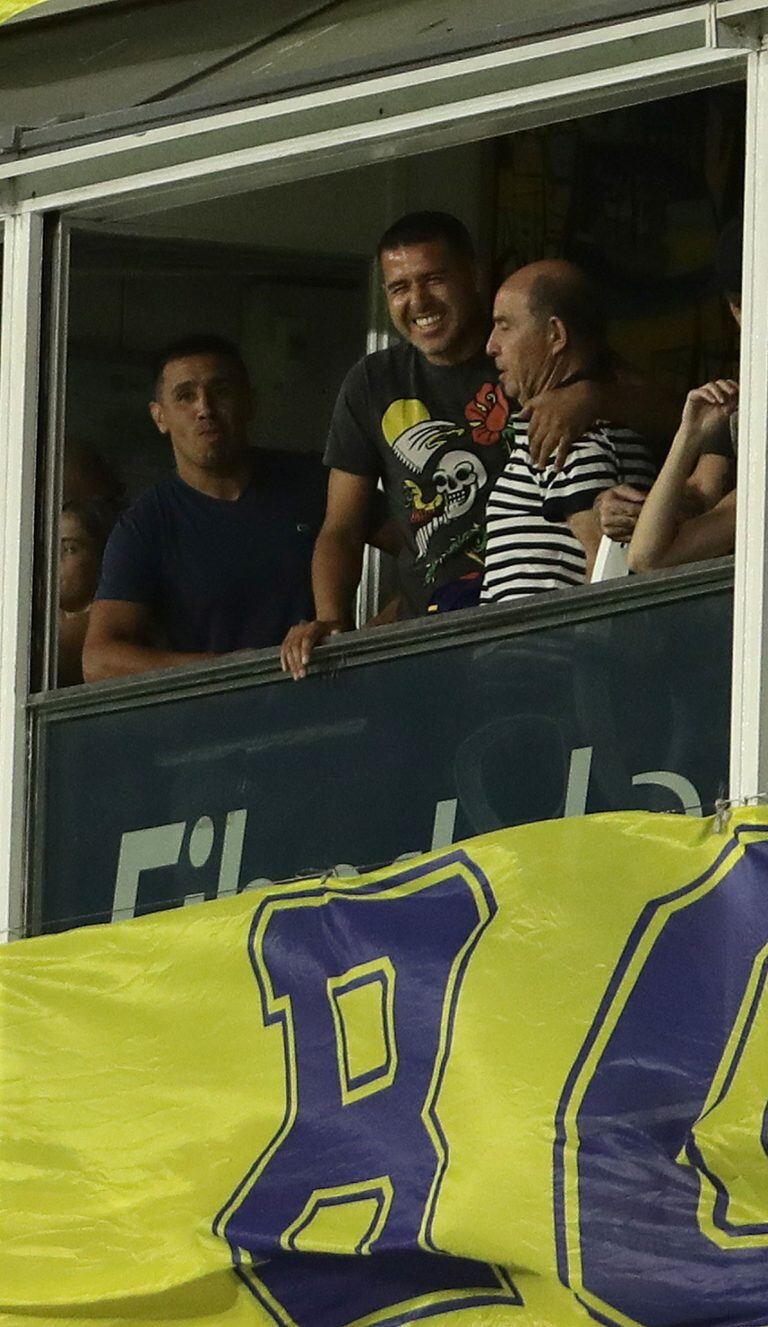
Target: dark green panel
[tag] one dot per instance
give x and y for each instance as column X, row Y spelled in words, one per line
column 352, row 765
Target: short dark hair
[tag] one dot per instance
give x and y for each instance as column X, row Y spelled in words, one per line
column 728, row 258
column 425, row 228
column 574, row 298
column 96, row 517
column 199, row 343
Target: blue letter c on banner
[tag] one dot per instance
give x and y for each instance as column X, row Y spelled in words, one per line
column 635, row 1241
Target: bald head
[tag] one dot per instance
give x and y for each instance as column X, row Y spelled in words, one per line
column 557, row 289
column 548, row 322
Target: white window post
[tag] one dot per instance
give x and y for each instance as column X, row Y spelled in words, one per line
column 749, row 715
column 19, row 367
column 749, row 712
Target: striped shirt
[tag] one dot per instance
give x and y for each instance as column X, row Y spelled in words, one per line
column 529, row 546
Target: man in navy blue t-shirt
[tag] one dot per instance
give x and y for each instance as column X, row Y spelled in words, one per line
column 216, row 557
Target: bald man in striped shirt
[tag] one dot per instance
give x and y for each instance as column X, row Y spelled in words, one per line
column 542, row 529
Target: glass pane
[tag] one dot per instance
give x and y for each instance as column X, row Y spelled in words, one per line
column 199, row 796
column 129, row 297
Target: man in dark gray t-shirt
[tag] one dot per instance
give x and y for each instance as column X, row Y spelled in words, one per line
column 425, row 419
column 433, row 433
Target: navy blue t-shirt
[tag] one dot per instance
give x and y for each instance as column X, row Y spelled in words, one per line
column 219, row 575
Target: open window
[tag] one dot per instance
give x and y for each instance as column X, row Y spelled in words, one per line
column 636, row 196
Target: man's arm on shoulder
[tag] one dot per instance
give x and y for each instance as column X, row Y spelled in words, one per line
column 336, row 567
column 116, row 643
column 558, row 417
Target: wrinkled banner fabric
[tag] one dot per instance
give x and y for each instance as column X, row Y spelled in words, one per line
column 522, row 1081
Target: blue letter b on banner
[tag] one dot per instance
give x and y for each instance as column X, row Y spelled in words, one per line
column 364, row 982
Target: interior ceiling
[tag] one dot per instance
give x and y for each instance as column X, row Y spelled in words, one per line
column 63, row 60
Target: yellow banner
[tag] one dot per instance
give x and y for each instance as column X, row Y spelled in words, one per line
column 9, row 8
column 543, row 1053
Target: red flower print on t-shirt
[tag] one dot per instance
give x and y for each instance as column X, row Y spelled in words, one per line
column 488, row 413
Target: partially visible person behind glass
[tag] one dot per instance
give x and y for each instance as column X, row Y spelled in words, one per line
column 713, row 474
column 83, row 529
column 664, row 536
column 671, row 529
column 88, row 477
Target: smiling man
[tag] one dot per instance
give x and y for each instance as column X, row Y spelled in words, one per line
column 216, row 557
column 425, row 419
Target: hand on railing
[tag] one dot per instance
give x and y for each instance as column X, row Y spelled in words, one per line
column 296, row 649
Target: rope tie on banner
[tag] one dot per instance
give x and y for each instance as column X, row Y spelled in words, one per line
column 724, row 806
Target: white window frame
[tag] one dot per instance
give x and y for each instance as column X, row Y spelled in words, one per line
column 20, row 320
column 461, row 100
column 749, row 696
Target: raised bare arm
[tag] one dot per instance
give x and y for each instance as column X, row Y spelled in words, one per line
column 661, row 538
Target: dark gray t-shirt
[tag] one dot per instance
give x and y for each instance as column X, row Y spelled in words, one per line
column 433, row 436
